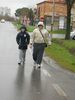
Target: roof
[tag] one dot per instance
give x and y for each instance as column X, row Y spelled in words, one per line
column 57, row 2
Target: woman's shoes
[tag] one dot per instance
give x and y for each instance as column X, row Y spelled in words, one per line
column 37, row 65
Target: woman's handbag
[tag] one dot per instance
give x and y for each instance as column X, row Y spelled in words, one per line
column 45, row 44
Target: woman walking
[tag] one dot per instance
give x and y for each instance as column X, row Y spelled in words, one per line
column 39, row 40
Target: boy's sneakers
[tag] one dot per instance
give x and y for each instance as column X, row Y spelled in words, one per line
column 38, row 66
column 19, row 63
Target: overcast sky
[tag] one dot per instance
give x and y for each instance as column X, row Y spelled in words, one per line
column 14, row 4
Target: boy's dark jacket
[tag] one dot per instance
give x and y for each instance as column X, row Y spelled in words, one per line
column 23, row 40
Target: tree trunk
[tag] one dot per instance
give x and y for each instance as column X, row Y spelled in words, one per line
column 68, row 28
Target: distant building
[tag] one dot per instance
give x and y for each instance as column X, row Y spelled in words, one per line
column 46, row 8
column 5, row 11
column 55, row 10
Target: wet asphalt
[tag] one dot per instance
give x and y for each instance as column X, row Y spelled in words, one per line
column 26, row 83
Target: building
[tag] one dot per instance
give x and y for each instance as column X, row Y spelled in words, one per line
column 5, row 11
column 73, row 16
column 53, row 11
column 47, row 7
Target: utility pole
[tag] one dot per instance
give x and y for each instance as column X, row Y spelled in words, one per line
column 53, row 13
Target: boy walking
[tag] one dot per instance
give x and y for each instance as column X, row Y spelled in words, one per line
column 22, row 40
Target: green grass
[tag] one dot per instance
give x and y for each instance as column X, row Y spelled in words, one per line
column 30, row 28
column 63, row 57
column 17, row 25
column 58, row 32
column 68, row 44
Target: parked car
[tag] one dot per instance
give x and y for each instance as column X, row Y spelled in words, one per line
column 2, row 21
column 72, row 35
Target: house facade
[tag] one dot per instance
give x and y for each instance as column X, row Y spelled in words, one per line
column 73, row 16
column 53, row 11
column 47, row 7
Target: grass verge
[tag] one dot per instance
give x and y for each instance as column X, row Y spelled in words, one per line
column 68, row 44
column 29, row 28
column 58, row 31
column 62, row 55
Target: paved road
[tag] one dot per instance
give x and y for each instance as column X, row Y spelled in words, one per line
column 26, row 83
column 59, row 36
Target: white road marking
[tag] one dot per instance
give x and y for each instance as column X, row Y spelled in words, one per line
column 46, row 73
column 49, row 74
column 59, row 90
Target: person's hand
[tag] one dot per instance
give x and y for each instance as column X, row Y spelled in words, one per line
column 49, row 43
column 30, row 45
